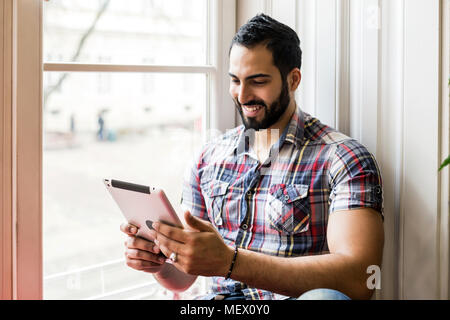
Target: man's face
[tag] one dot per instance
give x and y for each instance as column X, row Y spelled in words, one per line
column 259, row 93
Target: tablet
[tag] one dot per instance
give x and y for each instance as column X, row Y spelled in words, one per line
column 142, row 205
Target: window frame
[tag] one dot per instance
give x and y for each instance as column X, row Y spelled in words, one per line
column 6, row 150
column 21, row 268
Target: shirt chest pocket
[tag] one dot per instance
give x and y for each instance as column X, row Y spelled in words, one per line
column 288, row 208
column 214, row 194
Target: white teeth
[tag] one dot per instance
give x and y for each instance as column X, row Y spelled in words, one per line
column 252, row 109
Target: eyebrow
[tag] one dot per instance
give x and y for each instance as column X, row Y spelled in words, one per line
column 258, row 75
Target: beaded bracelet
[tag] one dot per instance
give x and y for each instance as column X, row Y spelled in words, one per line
column 232, row 263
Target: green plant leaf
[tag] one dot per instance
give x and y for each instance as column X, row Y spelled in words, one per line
column 445, row 163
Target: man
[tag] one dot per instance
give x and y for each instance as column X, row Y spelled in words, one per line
column 272, row 215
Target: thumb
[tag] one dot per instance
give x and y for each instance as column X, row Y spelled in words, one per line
column 197, row 223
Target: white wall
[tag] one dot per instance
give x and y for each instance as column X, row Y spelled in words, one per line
column 377, row 70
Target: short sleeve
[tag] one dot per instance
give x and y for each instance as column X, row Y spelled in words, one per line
column 191, row 197
column 355, row 179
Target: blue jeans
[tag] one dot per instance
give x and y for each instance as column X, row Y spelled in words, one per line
column 323, row 294
column 315, row 294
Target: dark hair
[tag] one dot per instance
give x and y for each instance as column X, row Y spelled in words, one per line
column 278, row 38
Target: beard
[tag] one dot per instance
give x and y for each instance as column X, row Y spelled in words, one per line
column 271, row 114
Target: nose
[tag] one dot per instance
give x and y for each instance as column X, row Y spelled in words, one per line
column 244, row 94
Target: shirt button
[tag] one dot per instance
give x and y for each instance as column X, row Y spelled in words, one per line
column 286, row 197
column 244, row 226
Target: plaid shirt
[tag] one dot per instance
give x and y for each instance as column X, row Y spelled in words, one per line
column 280, row 207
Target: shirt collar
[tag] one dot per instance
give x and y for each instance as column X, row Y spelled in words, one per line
column 295, row 130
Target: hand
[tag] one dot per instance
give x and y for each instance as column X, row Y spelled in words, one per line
column 200, row 250
column 141, row 254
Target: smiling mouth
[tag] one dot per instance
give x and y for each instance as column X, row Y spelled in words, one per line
column 252, row 111
column 252, row 108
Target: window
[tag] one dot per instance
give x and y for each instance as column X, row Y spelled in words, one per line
column 129, row 91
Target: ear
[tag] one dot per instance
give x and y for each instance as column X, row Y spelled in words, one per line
column 294, row 79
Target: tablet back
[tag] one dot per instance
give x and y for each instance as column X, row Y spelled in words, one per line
column 142, row 205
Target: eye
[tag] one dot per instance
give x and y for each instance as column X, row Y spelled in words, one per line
column 259, row 82
column 235, row 80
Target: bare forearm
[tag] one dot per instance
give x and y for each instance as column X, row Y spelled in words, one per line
column 174, row 279
column 294, row 276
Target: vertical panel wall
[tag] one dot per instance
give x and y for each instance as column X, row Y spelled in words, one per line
column 390, row 141
column 444, row 175
column 306, row 94
column 364, row 56
column 316, row 27
column 419, row 214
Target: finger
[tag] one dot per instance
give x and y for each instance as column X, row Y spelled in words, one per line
column 144, row 255
column 197, row 223
column 133, row 242
column 138, row 264
column 170, row 232
column 128, row 228
column 178, row 263
column 165, row 251
column 183, row 264
column 167, row 246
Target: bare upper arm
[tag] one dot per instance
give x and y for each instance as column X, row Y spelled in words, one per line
column 358, row 234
